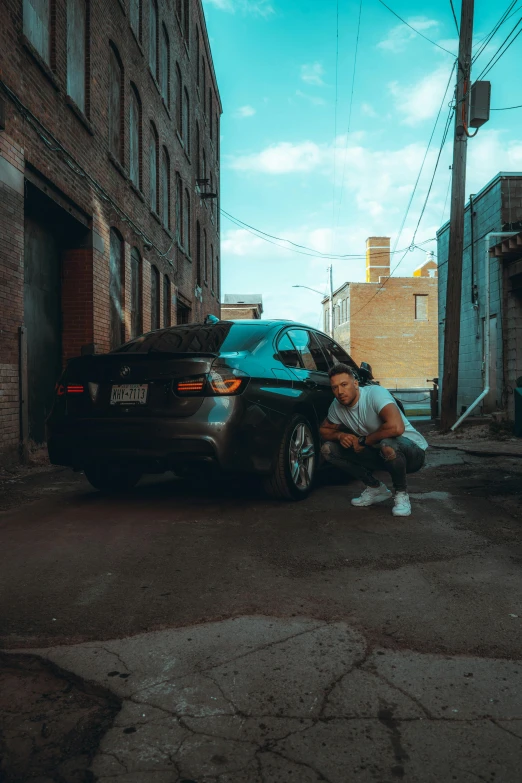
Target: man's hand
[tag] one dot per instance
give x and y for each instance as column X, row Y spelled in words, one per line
column 350, row 442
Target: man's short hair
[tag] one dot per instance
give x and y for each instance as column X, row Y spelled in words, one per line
column 339, row 369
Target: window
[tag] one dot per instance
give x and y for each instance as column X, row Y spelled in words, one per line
column 186, row 121
column 179, row 101
column 216, row 132
column 217, row 277
column 115, row 289
column 154, row 298
column 186, row 223
column 204, row 170
column 153, row 169
column 136, row 315
column 421, row 307
column 303, row 342
column 211, row 265
column 210, row 112
column 76, row 51
column 37, row 26
column 179, row 209
column 288, row 352
column 165, row 188
column 204, row 84
column 179, row 9
column 186, row 20
column 198, row 65
column 198, row 253
column 327, row 320
column 115, row 104
column 166, row 301
column 203, row 339
column 135, row 137
column 165, row 66
column 183, row 313
column 153, row 38
column 135, row 17
column 333, row 352
column 198, row 152
column 205, row 256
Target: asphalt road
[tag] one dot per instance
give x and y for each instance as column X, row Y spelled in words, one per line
column 352, row 629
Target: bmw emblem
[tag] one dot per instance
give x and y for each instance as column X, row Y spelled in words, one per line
column 125, row 371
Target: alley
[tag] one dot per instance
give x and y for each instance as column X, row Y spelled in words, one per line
column 239, row 639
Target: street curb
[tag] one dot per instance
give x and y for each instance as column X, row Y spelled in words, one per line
column 478, row 453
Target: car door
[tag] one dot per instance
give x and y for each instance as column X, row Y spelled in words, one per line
column 313, row 375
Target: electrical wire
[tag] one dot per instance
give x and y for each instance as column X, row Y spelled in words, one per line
column 454, row 16
column 484, row 42
column 350, row 111
column 507, row 108
column 499, row 53
column 415, row 30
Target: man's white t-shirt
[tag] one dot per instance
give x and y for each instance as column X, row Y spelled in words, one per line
column 363, row 418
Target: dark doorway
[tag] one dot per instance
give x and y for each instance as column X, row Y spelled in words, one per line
column 183, row 314
column 48, row 230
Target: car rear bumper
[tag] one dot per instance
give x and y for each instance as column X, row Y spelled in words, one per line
column 220, row 432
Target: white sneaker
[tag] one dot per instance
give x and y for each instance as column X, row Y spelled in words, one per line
column 402, row 505
column 372, row 495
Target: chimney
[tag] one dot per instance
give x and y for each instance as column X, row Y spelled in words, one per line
column 377, row 258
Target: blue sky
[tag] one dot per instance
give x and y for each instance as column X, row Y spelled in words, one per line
column 294, row 166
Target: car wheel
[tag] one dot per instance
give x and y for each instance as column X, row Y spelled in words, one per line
column 112, row 478
column 294, row 472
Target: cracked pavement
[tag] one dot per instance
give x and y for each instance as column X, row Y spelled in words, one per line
column 244, row 641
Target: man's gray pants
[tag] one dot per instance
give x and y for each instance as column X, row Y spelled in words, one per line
column 409, row 458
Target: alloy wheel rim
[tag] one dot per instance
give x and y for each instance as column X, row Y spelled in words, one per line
column 302, row 456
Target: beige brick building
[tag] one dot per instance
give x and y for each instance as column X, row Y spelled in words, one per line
column 389, row 322
column 240, row 307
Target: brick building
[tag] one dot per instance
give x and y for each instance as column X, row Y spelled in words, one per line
column 241, row 307
column 497, row 207
column 109, row 185
column 389, row 322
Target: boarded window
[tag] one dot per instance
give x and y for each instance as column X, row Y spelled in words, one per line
column 37, row 26
column 115, row 105
column 205, row 256
column 421, row 307
column 198, row 152
column 179, row 101
column 135, row 17
column 211, row 190
column 186, row 20
column 211, row 263
column 210, row 113
column 166, row 301
column 198, row 253
column 165, row 188
column 153, row 38
column 204, row 83
column 153, row 169
column 198, row 66
column 216, row 282
column 76, row 48
column 154, row 298
column 186, row 223
column 186, row 121
column 179, row 209
column 136, row 317
column 115, row 289
column 165, row 66
column 135, row 137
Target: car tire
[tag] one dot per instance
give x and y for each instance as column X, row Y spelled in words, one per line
column 298, row 449
column 112, row 478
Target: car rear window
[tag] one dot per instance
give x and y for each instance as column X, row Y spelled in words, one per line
column 223, row 337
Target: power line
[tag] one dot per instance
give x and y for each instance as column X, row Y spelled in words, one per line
column 454, row 16
column 415, row 30
column 499, row 53
column 507, row 108
column 350, row 110
column 486, row 40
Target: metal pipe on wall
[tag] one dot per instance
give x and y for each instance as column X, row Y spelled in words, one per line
column 487, row 347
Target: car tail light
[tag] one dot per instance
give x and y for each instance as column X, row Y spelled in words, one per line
column 75, row 388
column 227, row 382
column 59, row 389
column 189, row 386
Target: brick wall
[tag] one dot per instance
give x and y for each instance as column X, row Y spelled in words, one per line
column 497, row 207
column 42, row 89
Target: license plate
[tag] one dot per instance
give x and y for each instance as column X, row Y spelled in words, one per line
column 129, row 394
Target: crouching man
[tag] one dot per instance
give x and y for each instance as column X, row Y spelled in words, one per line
column 382, row 439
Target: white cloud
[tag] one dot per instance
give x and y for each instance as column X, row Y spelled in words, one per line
column 368, row 110
column 399, row 36
column 313, row 99
column 421, row 100
column 282, row 158
column 245, row 111
column 255, row 7
column 312, row 73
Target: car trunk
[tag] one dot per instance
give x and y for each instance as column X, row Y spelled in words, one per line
column 141, row 385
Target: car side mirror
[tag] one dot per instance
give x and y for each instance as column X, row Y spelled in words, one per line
column 367, row 370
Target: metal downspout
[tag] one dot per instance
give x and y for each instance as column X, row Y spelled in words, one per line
column 485, row 391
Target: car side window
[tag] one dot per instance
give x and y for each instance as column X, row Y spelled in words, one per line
column 334, row 352
column 288, row 353
column 318, row 354
column 302, row 341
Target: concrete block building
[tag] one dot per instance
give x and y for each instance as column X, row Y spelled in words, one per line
column 389, row 322
column 241, row 307
column 109, row 186
column 497, row 207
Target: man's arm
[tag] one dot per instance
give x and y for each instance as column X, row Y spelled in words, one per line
column 329, row 431
column 392, row 425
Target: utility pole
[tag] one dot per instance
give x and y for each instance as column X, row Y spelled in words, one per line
column 450, row 375
column 330, row 277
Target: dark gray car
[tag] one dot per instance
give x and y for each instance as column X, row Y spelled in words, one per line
column 243, row 395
